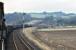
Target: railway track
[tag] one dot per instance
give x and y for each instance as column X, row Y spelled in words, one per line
column 20, row 43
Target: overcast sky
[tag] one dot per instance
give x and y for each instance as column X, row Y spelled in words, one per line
column 39, row 5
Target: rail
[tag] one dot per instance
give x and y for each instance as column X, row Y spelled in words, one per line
column 24, row 43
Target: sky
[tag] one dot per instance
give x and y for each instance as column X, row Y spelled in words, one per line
column 39, row 5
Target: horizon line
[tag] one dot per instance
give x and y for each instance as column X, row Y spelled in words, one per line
column 40, row 12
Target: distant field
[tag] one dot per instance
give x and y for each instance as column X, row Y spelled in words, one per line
column 55, row 29
column 61, row 39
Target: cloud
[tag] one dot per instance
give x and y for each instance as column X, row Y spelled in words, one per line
column 39, row 5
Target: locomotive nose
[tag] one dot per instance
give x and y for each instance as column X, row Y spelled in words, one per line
column 1, row 10
column 2, row 21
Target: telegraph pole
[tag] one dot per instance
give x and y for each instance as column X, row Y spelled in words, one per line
column 2, row 26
